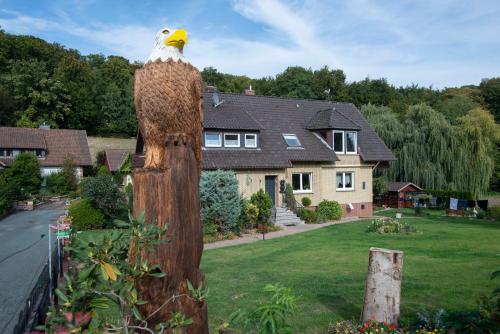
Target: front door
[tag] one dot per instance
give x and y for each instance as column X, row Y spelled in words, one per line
column 271, row 187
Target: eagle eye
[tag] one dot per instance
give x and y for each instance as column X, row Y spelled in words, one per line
column 165, row 31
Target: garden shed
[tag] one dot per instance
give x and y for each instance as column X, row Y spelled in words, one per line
column 400, row 195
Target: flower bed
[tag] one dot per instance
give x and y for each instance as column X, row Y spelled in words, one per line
column 390, row 226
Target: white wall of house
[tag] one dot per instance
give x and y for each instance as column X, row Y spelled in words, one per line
column 46, row 171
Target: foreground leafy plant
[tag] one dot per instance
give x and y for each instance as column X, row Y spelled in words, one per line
column 271, row 318
column 108, row 267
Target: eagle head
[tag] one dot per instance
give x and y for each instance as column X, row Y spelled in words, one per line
column 169, row 44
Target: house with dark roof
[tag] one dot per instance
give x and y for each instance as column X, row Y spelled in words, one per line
column 324, row 149
column 119, row 161
column 51, row 146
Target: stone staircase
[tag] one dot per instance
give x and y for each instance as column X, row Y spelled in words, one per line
column 287, row 217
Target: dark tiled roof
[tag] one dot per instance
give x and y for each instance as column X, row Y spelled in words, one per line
column 230, row 117
column 60, row 144
column 332, row 118
column 397, row 186
column 275, row 116
column 115, row 158
column 22, row 138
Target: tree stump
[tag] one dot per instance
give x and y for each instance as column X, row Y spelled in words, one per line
column 169, row 195
column 383, row 286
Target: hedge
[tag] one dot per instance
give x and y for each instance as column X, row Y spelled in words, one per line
column 85, row 216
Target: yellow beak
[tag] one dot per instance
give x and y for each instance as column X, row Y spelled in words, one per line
column 177, row 39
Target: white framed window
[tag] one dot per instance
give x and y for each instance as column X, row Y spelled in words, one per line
column 345, row 142
column 302, row 182
column 292, row 140
column 345, row 181
column 251, row 140
column 213, row 139
column 351, row 142
column 338, row 141
column 231, row 140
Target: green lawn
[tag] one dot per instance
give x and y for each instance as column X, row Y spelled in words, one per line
column 447, row 265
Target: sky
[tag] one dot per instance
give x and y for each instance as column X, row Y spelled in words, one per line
column 442, row 43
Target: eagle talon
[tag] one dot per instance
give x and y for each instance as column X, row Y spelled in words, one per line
column 177, row 139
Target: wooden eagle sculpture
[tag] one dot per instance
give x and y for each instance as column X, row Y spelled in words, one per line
column 168, row 92
column 168, row 98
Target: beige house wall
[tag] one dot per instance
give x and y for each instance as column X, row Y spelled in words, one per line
column 250, row 181
column 323, row 180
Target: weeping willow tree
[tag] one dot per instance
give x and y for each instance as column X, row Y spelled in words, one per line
column 480, row 135
column 435, row 154
column 432, row 155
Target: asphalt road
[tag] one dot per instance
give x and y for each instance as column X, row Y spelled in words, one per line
column 19, row 270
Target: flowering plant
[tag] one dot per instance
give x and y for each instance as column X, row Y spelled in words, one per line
column 375, row 327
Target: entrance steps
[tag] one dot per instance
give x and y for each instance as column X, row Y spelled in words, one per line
column 287, row 217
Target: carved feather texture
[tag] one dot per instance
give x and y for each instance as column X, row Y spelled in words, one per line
column 168, row 101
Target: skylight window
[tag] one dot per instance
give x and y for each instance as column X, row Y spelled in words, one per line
column 292, row 140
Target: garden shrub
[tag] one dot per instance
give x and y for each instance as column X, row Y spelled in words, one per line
column 24, row 176
column 252, row 214
column 389, row 225
column 264, row 203
column 379, row 186
column 306, row 201
column 289, row 196
column 69, row 173
column 328, row 210
column 493, row 212
column 55, row 183
column 220, row 200
column 129, row 191
column 63, row 182
column 308, row 216
column 210, row 229
column 85, row 216
column 6, row 195
column 103, row 170
column 243, row 221
column 103, row 193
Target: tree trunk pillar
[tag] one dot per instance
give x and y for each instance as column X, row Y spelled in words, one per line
column 169, row 195
column 383, row 286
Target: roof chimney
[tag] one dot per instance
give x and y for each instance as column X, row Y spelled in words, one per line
column 211, row 89
column 44, row 126
column 250, row 91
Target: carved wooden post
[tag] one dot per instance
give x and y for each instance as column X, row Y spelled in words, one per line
column 383, row 286
column 168, row 92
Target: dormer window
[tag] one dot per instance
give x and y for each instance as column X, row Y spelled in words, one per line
column 251, row 140
column 345, row 142
column 292, row 140
column 231, row 140
column 350, row 142
column 338, row 141
column 40, row 153
column 213, row 139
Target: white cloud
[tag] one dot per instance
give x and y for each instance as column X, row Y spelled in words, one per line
column 131, row 41
column 406, row 43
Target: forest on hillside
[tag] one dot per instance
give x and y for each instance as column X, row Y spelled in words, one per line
column 446, row 139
